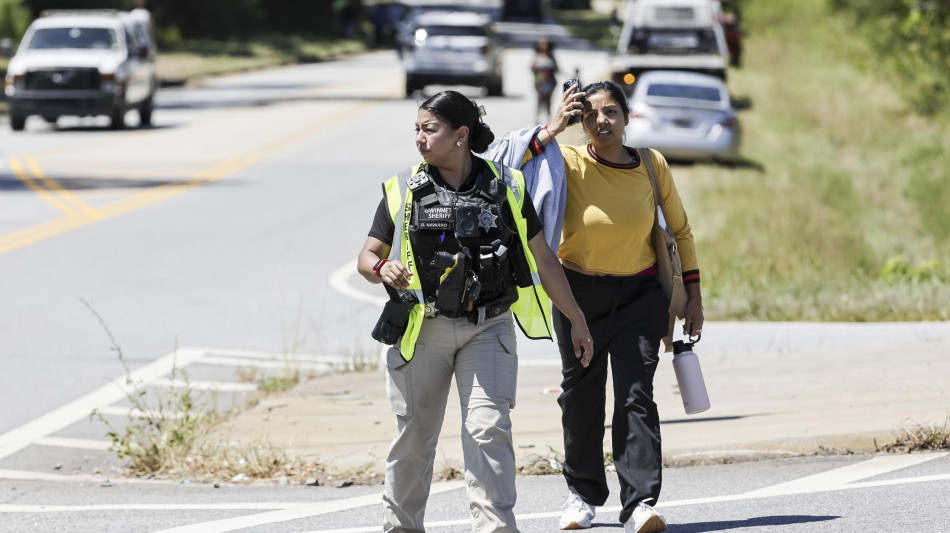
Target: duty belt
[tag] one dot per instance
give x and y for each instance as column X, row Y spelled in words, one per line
column 477, row 315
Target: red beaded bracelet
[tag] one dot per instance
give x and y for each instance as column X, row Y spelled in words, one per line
column 379, row 265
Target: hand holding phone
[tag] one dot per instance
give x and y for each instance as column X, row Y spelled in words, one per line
column 567, row 86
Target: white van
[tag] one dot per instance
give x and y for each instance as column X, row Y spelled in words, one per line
column 680, row 27
column 683, row 35
column 83, row 63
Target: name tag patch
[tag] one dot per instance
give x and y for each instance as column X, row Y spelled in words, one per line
column 436, row 217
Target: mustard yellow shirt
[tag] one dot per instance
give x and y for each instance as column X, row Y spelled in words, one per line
column 609, row 215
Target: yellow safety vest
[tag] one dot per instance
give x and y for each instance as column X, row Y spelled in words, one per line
column 531, row 308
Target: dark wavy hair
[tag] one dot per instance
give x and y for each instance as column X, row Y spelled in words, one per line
column 458, row 110
column 613, row 90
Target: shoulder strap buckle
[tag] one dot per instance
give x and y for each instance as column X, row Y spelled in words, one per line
column 418, row 180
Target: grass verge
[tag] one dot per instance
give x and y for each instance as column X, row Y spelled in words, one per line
column 194, row 60
column 838, row 210
column 189, row 61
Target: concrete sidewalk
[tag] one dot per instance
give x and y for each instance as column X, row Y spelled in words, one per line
column 767, row 404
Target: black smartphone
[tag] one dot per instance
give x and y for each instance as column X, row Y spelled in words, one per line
column 567, row 85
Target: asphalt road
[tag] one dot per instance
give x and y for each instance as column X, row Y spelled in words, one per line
column 227, row 233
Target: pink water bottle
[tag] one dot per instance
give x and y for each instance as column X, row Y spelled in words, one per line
column 689, row 376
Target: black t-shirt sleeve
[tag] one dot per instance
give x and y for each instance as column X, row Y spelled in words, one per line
column 383, row 225
column 531, row 217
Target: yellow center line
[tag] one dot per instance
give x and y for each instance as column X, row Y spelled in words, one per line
column 52, row 185
column 222, row 170
column 47, row 196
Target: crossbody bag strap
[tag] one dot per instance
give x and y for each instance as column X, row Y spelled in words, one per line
column 647, row 158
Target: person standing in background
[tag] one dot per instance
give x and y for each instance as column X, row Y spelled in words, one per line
column 544, row 68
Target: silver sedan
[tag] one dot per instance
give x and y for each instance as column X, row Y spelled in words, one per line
column 684, row 115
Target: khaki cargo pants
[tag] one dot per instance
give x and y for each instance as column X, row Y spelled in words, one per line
column 483, row 360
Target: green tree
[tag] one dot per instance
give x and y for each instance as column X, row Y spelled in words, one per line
column 210, row 19
column 14, row 19
column 38, row 6
column 913, row 37
column 300, row 17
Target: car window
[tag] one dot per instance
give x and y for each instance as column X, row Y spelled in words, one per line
column 454, row 31
column 74, row 37
column 692, row 92
column 675, row 14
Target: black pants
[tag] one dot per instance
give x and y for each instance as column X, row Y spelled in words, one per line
column 627, row 317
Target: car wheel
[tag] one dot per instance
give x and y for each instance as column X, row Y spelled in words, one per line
column 117, row 117
column 412, row 86
column 145, row 113
column 495, row 88
column 17, row 122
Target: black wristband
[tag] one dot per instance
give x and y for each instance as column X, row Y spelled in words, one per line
column 379, row 264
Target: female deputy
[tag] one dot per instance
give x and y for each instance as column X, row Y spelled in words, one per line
column 456, row 240
column 609, row 260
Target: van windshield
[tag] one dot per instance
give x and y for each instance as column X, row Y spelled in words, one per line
column 74, row 37
column 675, row 14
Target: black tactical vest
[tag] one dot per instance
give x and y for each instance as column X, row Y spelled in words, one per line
column 461, row 240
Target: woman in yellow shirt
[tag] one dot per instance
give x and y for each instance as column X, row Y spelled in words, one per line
column 610, row 263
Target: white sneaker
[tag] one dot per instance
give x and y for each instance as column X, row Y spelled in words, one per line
column 645, row 519
column 577, row 513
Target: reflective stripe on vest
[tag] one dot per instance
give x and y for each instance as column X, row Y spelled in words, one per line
column 531, row 310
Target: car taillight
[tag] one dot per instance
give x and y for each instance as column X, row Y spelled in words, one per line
column 483, row 49
column 729, row 122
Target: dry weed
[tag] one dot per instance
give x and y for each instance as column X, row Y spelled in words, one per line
column 919, row 437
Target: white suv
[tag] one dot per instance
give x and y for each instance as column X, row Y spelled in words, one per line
column 85, row 63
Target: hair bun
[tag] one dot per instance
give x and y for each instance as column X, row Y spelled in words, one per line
column 481, row 137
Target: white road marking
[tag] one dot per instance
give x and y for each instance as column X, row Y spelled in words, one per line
column 132, row 412
column 219, row 386
column 271, row 356
column 58, row 419
column 267, row 364
column 22, row 475
column 286, row 515
column 237, row 506
column 103, row 399
column 879, row 465
column 845, row 478
column 616, row 509
column 339, row 280
column 84, row 444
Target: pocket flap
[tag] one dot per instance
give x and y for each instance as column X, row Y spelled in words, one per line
column 394, row 358
column 509, row 343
